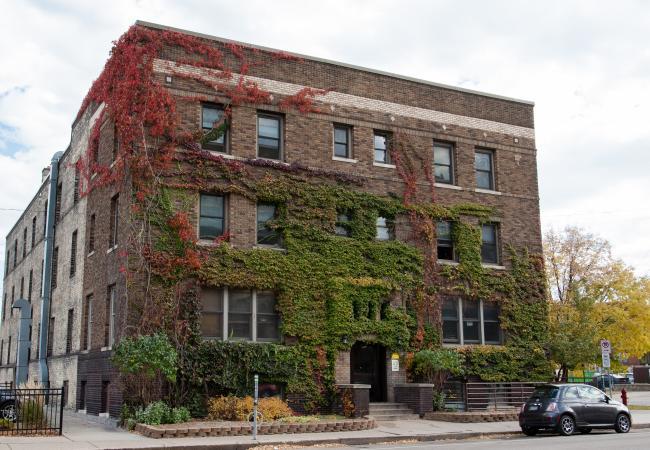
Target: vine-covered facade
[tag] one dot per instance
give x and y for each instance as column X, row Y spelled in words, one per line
column 300, row 219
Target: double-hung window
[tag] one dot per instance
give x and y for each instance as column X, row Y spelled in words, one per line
column 212, row 122
column 269, row 136
column 343, row 219
column 489, row 247
column 443, row 156
column 267, row 235
column 445, row 241
column 484, row 168
column 385, row 229
column 342, row 147
column 381, row 143
column 212, row 216
column 470, row 322
column 245, row 314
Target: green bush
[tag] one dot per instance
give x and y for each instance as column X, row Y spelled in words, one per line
column 146, row 355
column 435, row 366
column 159, row 412
column 6, row 424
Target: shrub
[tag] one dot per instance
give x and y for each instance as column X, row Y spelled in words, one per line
column 273, row 408
column 6, row 424
column 30, row 414
column 159, row 412
column 435, row 366
column 240, row 408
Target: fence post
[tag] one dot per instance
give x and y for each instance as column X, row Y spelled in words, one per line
column 61, row 411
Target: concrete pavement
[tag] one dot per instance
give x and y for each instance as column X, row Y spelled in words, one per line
column 81, row 434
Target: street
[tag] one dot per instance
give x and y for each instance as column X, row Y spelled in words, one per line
column 594, row 441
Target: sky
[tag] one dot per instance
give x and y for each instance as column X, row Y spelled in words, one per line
column 585, row 64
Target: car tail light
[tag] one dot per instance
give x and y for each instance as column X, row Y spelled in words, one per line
column 551, row 407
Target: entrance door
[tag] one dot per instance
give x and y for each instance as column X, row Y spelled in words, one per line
column 368, row 366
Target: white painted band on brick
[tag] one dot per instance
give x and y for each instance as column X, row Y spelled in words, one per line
column 354, row 101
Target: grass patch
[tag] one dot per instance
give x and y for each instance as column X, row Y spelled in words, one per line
column 639, row 407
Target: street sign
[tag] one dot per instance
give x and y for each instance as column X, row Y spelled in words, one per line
column 605, row 346
column 606, row 361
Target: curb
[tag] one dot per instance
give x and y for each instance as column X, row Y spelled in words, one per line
column 349, row 440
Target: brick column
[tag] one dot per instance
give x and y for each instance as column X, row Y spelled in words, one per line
column 418, row 396
column 358, row 394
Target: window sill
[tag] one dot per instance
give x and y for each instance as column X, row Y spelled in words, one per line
column 493, row 266
column 347, row 160
column 84, row 352
column 209, row 242
column 81, row 411
column 91, row 254
column 278, row 161
column 487, row 191
column 380, row 164
column 113, row 248
column 219, row 153
column 270, row 247
column 448, row 186
column 104, row 414
column 452, row 345
column 448, row 262
column 106, row 349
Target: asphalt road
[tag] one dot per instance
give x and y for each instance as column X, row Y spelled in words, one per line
column 597, row 440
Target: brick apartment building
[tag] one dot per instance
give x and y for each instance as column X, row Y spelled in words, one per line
column 479, row 147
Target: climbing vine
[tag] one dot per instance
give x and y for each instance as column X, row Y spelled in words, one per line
column 331, row 290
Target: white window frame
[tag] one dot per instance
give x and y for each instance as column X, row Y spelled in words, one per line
column 461, row 337
column 224, row 323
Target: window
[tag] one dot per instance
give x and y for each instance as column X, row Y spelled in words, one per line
column 211, row 116
column 33, row 231
column 30, row 285
column 68, row 334
column 343, row 220
column 571, row 393
column 483, row 166
column 57, row 209
column 15, row 253
column 342, row 139
column 245, row 314
column 4, row 307
column 112, row 238
column 109, row 322
column 82, row 396
column 269, row 136
column 64, row 400
column 88, row 317
column 50, row 338
column 116, row 143
column 470, row 322
column 9, row 351
column 591, row 393
column 38, row 340
column 103, row 407
column 22, row 287
column 445, row 242
column 443, row 163
column 24, row 242
column 7, row 262
column 55, row 267
column 382, row 154
column 75, row 197
column 2, row 350
column 73, row 254
column 212, row 216
column 385, row 229
column 91, row 234
column 266, row 235
column 212, row 313
column 489, row 251
column 45, row 219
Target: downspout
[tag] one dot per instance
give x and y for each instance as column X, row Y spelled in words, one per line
column 46, row 288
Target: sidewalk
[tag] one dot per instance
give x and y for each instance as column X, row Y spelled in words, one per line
column 80, row 434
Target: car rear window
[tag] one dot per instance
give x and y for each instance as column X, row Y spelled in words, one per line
column 545, row 392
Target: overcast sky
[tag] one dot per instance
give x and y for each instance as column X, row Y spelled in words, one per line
column 585, row 64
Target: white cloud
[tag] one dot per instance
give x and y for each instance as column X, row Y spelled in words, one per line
column 585, row 64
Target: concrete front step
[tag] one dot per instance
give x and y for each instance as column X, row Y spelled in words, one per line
column 391, row 411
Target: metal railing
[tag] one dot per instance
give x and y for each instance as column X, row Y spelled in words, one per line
column 487, row 396
column 31, row 411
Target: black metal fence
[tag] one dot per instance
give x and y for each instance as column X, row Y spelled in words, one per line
column 486, row 396
column 31, row 411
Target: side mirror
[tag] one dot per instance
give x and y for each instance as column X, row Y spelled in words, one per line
column 605, row 399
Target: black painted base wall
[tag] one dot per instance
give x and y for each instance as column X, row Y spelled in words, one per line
column 95, row 369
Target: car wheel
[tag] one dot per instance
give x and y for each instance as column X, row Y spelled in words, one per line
column 528, row 431
column 567, row 425
column 585, row 430
column 622, row 424
column 8, row 411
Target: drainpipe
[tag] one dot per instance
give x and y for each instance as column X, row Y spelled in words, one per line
column 46, row 288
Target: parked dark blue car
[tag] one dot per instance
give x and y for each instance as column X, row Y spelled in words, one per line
column 567, row 408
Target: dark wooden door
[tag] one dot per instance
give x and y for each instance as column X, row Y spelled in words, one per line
column 368, row 366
